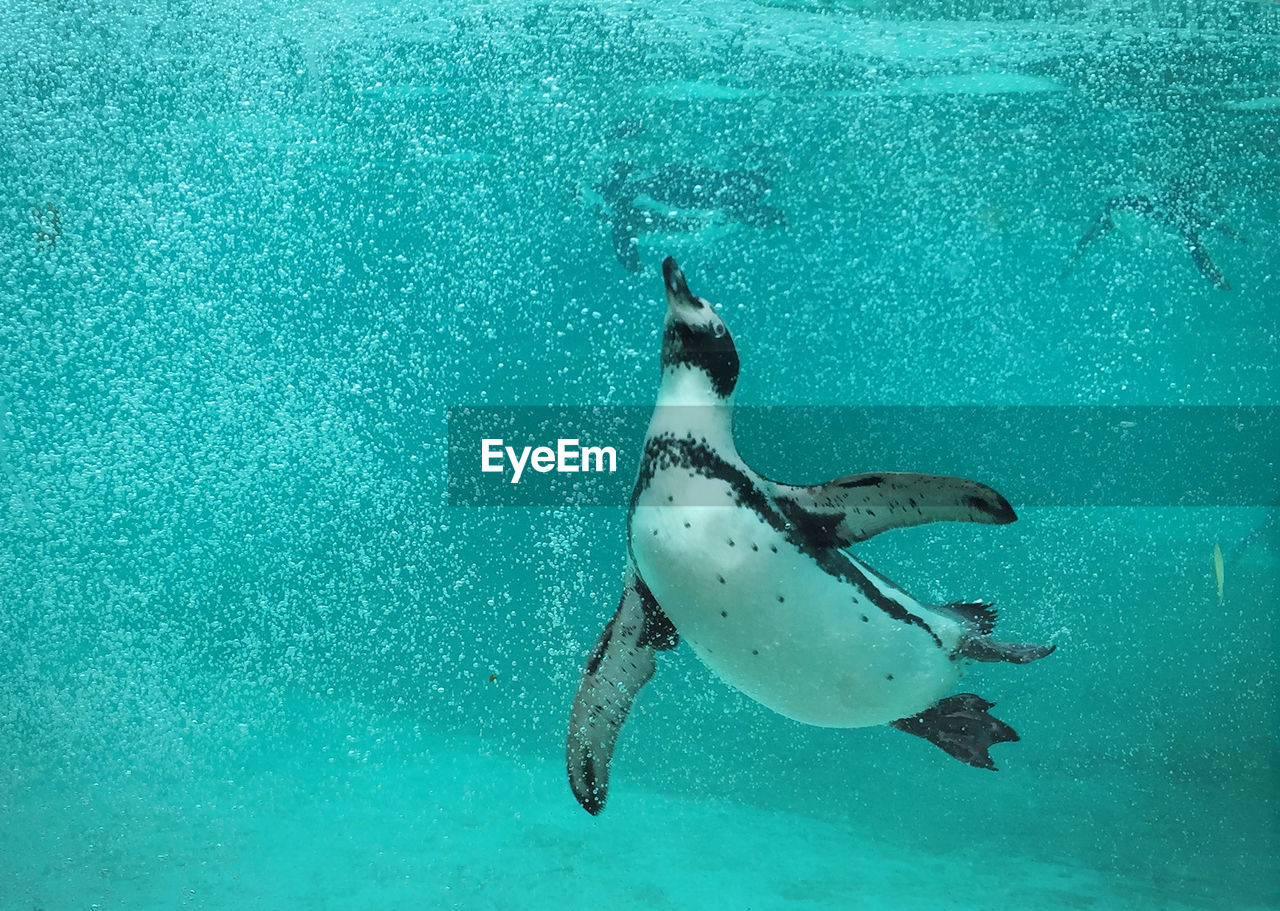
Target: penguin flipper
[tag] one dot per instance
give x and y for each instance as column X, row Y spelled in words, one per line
column 620, row 665
column 1208, row 268
column 857, row 507
column 962, row 727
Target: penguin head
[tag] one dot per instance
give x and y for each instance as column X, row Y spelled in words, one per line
column 695, row 337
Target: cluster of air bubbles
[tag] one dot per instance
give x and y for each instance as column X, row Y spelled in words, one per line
column 241, row 286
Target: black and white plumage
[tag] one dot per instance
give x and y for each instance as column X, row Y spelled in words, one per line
column 753, row 575
column 680, row 199
column 620, row 664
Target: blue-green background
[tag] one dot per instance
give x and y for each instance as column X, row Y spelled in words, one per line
column 233, row 602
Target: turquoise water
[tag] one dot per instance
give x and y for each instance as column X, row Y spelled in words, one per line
column 251, row 253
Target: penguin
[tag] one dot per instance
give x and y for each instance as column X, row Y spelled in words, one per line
column 678, row 200
column 1172, row 209
column 755, row 575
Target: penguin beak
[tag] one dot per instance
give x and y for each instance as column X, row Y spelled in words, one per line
column 678, row 294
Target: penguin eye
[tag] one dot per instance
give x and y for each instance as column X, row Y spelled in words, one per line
column 718, row 329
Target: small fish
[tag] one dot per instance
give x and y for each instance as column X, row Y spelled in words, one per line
column 493, row 678
column 1217, row 568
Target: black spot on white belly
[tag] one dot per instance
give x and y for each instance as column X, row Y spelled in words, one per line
column 667, row 451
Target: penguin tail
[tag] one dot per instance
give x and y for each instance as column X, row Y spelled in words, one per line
column 979, row 614
column 976, row 641
column 981, row 648
column 962, row 727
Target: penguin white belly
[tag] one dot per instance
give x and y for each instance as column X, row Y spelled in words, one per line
column 774, row 624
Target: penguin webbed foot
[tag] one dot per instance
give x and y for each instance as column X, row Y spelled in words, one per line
column 962, row 727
